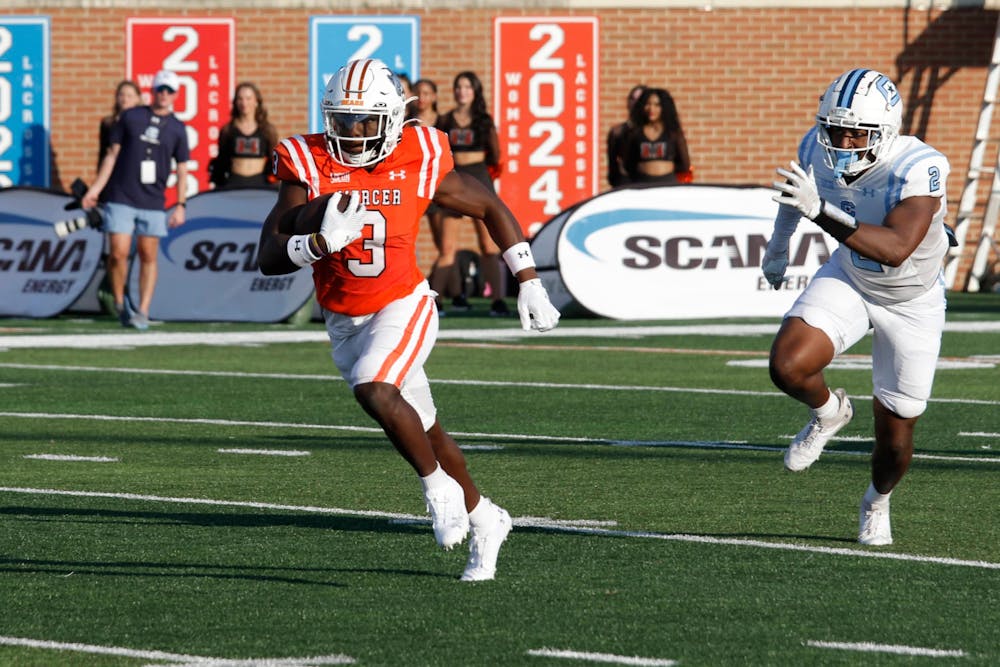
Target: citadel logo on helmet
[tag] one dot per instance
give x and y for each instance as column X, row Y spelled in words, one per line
column 861, row 99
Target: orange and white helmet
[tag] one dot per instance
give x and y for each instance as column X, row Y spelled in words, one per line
column 363, row 112
column 860, row 99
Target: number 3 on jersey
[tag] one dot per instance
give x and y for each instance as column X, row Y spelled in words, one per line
column 374, row 246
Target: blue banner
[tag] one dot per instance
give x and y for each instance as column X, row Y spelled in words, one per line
column 335, row 40
column 24, row 101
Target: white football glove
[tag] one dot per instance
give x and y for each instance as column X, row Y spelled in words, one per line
column 534, row 307
column 339, row 229
column 799, row 191
column 774, row 265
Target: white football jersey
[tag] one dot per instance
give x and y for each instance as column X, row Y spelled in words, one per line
column 910, row 169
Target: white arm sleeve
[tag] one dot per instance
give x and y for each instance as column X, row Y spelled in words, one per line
column 785, row 223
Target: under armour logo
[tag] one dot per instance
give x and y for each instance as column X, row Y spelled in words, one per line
column 298, row 244
column 522, row 253
column 401, row 175
column 867, row 192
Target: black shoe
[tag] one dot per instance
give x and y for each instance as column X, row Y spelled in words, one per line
column 460, row 303
column 499, row 309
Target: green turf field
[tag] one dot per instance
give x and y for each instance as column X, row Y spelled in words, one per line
column 212, row 495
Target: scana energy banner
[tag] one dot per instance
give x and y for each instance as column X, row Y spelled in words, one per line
column 674, row 252
column 208, row 266
column 41, row 274
column 202, row 53
column 545, row 107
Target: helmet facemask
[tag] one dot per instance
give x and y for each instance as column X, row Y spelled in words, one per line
column 345, row 130
column 859, row 100
column 851, row 161
column 363, row 106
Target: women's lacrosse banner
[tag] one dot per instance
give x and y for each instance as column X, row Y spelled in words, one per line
column 201, row 51
column 545, row 107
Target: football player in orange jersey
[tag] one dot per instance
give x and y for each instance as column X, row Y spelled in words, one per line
column 349, row 205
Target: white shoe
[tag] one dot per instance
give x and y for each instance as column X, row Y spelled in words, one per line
column 448, row 514
column 484, row 547
column 810, row 441
column 874, row 529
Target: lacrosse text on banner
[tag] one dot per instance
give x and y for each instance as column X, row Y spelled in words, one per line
column 24, row 101
column 201, row 51
column 545, row 107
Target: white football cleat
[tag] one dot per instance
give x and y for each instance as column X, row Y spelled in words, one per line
column 874, row 529
column 448, row 514
column 810, row 441
column 484, row 547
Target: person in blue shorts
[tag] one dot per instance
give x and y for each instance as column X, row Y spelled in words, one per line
column 133, row 177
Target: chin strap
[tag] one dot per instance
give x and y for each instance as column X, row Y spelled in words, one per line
column 846, row 159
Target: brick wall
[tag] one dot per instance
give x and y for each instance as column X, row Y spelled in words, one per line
column 746, row 81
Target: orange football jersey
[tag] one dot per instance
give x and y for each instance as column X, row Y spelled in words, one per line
column 381, row 266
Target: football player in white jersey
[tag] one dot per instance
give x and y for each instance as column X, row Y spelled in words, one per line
column 882, row 196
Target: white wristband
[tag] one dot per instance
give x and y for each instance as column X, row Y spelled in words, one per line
column 518, row 257
column 837, row 215
column 299, row 251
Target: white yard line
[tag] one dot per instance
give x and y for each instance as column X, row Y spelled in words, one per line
column 692, row 444
column 72, row 457
column 869, row 647
column 609, row 658
column 331, row 377
column 398, row 517
column 265, row 452
column 864, row 363
column 579, row 528
column 318, row 335
column 175, row 658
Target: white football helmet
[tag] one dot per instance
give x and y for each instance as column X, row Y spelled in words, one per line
column 363, row 112
column 861, row 99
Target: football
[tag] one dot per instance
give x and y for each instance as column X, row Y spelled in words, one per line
column 310, row 216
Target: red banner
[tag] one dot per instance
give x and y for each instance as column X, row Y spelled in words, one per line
column 202, row 53
column 545, row 107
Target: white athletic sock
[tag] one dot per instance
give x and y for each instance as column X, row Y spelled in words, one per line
column 828, row 409
column 873, row 497
column 483, row 513
column 434, row 480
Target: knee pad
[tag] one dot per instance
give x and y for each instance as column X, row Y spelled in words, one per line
column 418, row 395
column 904, row 406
